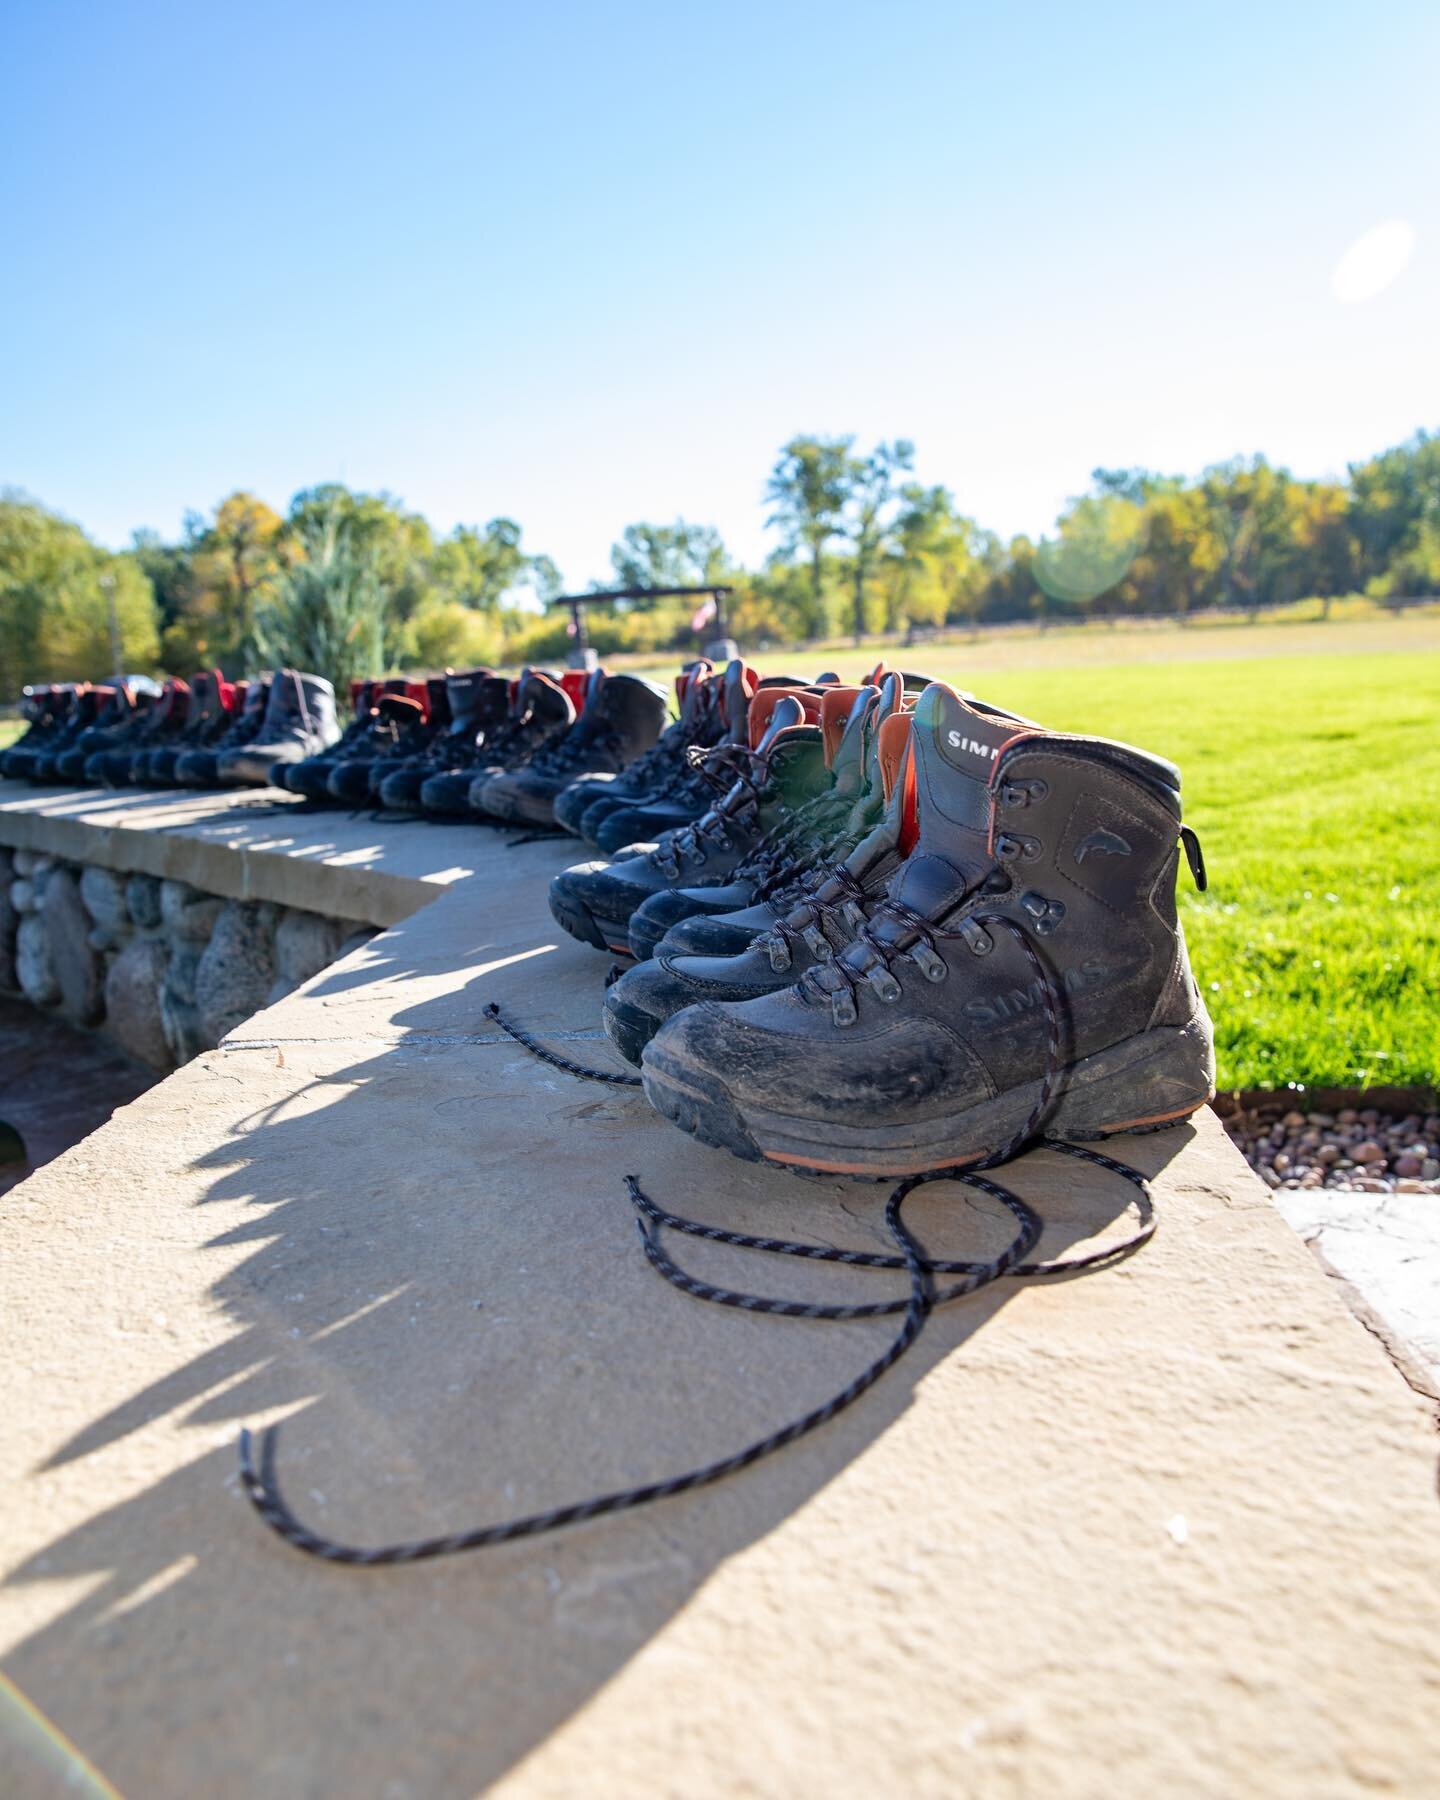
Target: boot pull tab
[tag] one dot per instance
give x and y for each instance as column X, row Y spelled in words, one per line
column 1195, row 856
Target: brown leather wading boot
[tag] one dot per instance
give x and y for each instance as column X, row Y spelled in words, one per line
column 1025, row 972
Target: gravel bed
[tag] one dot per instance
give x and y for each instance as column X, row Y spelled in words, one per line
column 1366, row 1150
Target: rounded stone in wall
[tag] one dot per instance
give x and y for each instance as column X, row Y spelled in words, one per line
column 187, row 912
column 305, row 943
column 181, row 970
column 23, row 896
column 79, row 971
column 237, row 968
column 142, row 901
column 104, row 897
column 133, row 987
column 33, row 967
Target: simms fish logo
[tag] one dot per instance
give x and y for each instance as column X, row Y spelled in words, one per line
column 1101, row 843
column 957, row 741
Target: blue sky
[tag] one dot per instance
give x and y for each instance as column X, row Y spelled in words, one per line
column 588, row 264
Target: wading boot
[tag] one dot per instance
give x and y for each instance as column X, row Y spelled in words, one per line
column 649, row 773
column 196, row 768
column 149, row 728
column 774, row 868
column 726, row 700
column 310, row 777
column 455, row 724
column 831, row 828
column 1025, row 972
column 786, row 768
column 775, row 951
column 125, row 709
column 794, row 871
column 484, row 706
column 209, row 713
column 299, row 720
column 413, row 749
column 395, row 723
column 85, row 708
column 622, row 719
column 544, row 710
column 48, row 711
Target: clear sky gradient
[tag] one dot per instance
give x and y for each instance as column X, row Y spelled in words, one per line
column 587, row 264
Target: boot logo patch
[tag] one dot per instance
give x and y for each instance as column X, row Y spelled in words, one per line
column 1101, row 842
column 958, row 741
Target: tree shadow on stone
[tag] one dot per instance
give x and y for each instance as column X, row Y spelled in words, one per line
column 445, row 1299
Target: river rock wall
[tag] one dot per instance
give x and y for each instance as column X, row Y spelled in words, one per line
column 162, row 968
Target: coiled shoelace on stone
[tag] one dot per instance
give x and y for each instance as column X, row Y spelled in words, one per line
column 261, row 1484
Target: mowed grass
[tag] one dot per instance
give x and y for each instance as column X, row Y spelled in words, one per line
column 1312, row 775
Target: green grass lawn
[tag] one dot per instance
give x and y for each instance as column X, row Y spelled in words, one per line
column 10, row 729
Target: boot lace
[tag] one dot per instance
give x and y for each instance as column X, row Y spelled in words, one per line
column 261, row 1484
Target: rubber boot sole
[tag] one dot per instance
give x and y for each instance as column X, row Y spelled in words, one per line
column 629, row 1028
column 581, row 923
column 1145, row 1082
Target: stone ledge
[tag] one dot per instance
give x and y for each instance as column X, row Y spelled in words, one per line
column 250, row 845
column 1169, row 1528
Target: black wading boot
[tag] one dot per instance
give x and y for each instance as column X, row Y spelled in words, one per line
column 125, row 710
column 48, row 710
column 299, row 720
column 622, row 719
column 411, row 753
column 613, row 827
column 197, row 768
column 594, row 901
column 148, row 728
column 455, row 730
column 648, row 774
column 543, row 712
column 1025, row 973
column 482, row 705
column 87, row 706
column 763, row 884
column 208, row 715
column 395, row 721
column 778, row 949
column 310, row 777
column 849, row 723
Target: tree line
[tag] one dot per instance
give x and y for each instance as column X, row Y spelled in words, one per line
column 352, row 583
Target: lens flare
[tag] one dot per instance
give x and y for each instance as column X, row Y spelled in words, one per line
column 1375, row 260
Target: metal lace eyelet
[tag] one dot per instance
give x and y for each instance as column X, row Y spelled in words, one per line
column 815, row 941
column 931, row 966
column 842, row 1007
column 1012, row 847
column 977, row 937
column 778, row 951
column 852, row 914
column 886, row 987
column 1046, row 914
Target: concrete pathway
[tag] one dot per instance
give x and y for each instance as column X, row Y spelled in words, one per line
column 1171, row 1528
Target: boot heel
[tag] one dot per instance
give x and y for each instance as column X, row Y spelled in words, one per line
column 1159, row 1077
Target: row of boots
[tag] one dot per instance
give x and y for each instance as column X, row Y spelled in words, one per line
column 909, row 929
column 205, row 732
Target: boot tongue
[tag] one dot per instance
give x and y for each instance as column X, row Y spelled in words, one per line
column 955, row 749
column 848, row 761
